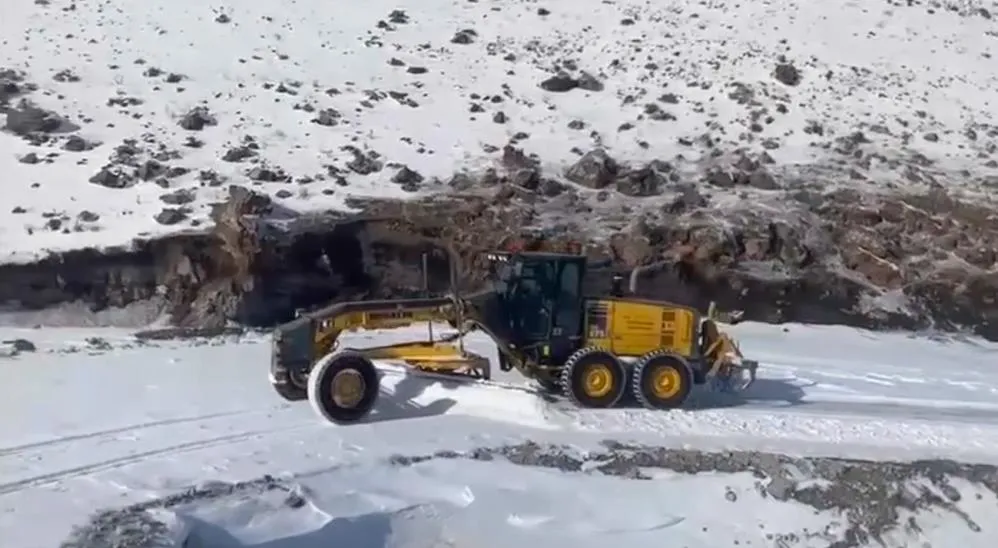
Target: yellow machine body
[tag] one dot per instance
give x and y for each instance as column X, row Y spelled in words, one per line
column 632, row 327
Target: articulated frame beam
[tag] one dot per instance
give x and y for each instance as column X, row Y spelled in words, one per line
column 432, row 356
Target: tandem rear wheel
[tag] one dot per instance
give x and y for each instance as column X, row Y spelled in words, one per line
column 661, row 380
column 595, row 378
column 343, row 387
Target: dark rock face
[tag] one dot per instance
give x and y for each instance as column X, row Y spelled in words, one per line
column 244, row 270
column 100, row 279
column 829, row 257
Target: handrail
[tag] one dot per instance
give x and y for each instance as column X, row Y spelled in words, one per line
column 632, row 286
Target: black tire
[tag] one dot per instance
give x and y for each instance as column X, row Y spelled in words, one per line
column 585, row 362
column 662, row 380
column 327, row 371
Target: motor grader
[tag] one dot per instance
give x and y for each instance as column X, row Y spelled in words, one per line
column 592, row 349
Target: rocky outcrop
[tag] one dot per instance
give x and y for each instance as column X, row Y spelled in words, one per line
column 901, row 260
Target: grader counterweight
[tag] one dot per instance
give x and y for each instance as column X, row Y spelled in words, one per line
column 593, row 349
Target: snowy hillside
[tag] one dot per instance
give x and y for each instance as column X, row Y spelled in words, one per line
column 187, row 440
column 149, row 110
column 810, row 161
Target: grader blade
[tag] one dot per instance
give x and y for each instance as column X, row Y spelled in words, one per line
column 443, row 358
column 736, row 377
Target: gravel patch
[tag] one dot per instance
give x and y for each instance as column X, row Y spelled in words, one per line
column 875, row 498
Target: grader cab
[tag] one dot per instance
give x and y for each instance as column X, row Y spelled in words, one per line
column 592, row 349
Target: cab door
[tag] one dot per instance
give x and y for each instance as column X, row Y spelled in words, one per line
column 566, row 332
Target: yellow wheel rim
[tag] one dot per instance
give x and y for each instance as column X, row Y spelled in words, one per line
column 348, row 388
column 598, row 381
column 666, row 382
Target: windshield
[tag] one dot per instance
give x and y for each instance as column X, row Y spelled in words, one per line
column 504, row 271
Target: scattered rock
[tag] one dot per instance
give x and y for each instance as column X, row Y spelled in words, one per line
column 113, row 177
column 268, row 175
column 642, row 182
column 76, row 143
column 408, row 179
column 29, row 158
column 327, row 117
column 86, row 216
column 364, row 162
column 13, row 85
column 65, row 75
column 210, row 177
column 27, row 119
column 596, row 169
column 171, row 216
column 787, row 74
column 514, row 158
column 21, row 346
column 238, row 154
column 181, row 196
column 463, row 37
column 562, row 82
column 197, row 119
column 149, row 170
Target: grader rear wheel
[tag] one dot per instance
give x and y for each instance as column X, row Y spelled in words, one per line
column 343, row 387
column 662, row 380
column 593, row 377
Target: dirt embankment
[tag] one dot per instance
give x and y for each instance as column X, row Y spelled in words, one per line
column 781, row 254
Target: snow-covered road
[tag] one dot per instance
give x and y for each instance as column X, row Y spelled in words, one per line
column 92, row 419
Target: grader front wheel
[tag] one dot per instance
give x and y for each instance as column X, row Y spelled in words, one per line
column 593, row 377
column 343, row 387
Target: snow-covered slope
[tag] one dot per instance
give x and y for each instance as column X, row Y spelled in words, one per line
column 191, row 439
column 310, row 101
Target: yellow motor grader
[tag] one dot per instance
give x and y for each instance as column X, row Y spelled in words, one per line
column 592, row 349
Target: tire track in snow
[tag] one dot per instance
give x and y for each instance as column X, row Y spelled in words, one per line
column 793, row 394
column 42, row 480
column 16, row 449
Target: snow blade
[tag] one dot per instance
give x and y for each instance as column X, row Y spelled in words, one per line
column 736, row 378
